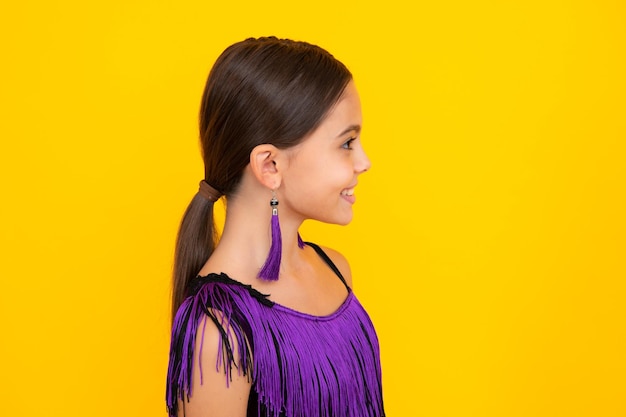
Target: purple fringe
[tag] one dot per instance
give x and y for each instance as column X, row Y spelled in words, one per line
column 304, row 365
column 190, row 314
column 271, row 268
column 323, row 366
column 300, row 241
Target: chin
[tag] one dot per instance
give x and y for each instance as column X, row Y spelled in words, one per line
column 340, row 217
column 339, row 221
column 343, row 221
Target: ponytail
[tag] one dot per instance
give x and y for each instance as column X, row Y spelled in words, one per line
column 195, row 243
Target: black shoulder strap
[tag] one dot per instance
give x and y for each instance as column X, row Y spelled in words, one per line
column 330, row 263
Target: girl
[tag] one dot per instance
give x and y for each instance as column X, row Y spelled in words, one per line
column 265, row 324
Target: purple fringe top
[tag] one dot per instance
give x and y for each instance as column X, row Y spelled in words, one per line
column 300, row 365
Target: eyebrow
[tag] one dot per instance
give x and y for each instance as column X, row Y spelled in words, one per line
column 350, row 128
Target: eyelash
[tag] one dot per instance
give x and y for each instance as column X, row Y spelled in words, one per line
column 346, row 144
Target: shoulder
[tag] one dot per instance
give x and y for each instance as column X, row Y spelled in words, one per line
column 340, row 262
column 210, row 352
column 216, row 289
column 216, row 387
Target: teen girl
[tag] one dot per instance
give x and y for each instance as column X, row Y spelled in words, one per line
column 280, row 334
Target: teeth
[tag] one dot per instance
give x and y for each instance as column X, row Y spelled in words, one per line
column 348, row 192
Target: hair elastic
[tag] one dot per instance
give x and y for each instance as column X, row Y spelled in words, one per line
column 209, row 192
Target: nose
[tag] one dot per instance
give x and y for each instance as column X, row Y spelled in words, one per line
column 363, row 163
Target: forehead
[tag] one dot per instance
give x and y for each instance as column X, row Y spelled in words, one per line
column 344, row 114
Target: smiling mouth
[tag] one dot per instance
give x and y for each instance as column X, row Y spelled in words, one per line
column 348, row 192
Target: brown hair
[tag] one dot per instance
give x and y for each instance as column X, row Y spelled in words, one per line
column 264, row 90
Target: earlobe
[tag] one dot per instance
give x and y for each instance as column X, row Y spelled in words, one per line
column 264, row 166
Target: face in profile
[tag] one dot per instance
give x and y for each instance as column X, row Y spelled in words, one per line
column 319, row 182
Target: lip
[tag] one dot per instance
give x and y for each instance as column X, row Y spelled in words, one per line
column 349, row 198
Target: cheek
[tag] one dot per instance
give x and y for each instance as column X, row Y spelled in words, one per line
column 331, row 177
column 342, row 171
column 319, row 178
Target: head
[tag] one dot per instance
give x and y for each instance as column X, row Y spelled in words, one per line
column 264, row 91
column 259, row 91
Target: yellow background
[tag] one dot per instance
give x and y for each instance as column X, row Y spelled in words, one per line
column 489, row 238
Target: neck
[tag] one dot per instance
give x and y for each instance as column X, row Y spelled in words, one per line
column 247, row 231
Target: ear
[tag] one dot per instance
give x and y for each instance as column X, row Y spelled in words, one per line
column 265, row 165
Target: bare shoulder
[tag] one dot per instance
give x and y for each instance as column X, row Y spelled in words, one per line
column 341, row 262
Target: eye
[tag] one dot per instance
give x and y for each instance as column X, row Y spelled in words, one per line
column 348, row 144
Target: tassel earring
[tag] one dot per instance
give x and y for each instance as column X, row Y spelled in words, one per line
column 271, row 268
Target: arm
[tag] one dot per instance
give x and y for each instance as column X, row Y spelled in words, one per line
column 211, row 397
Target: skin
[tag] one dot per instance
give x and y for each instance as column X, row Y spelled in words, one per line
column 308, row 180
